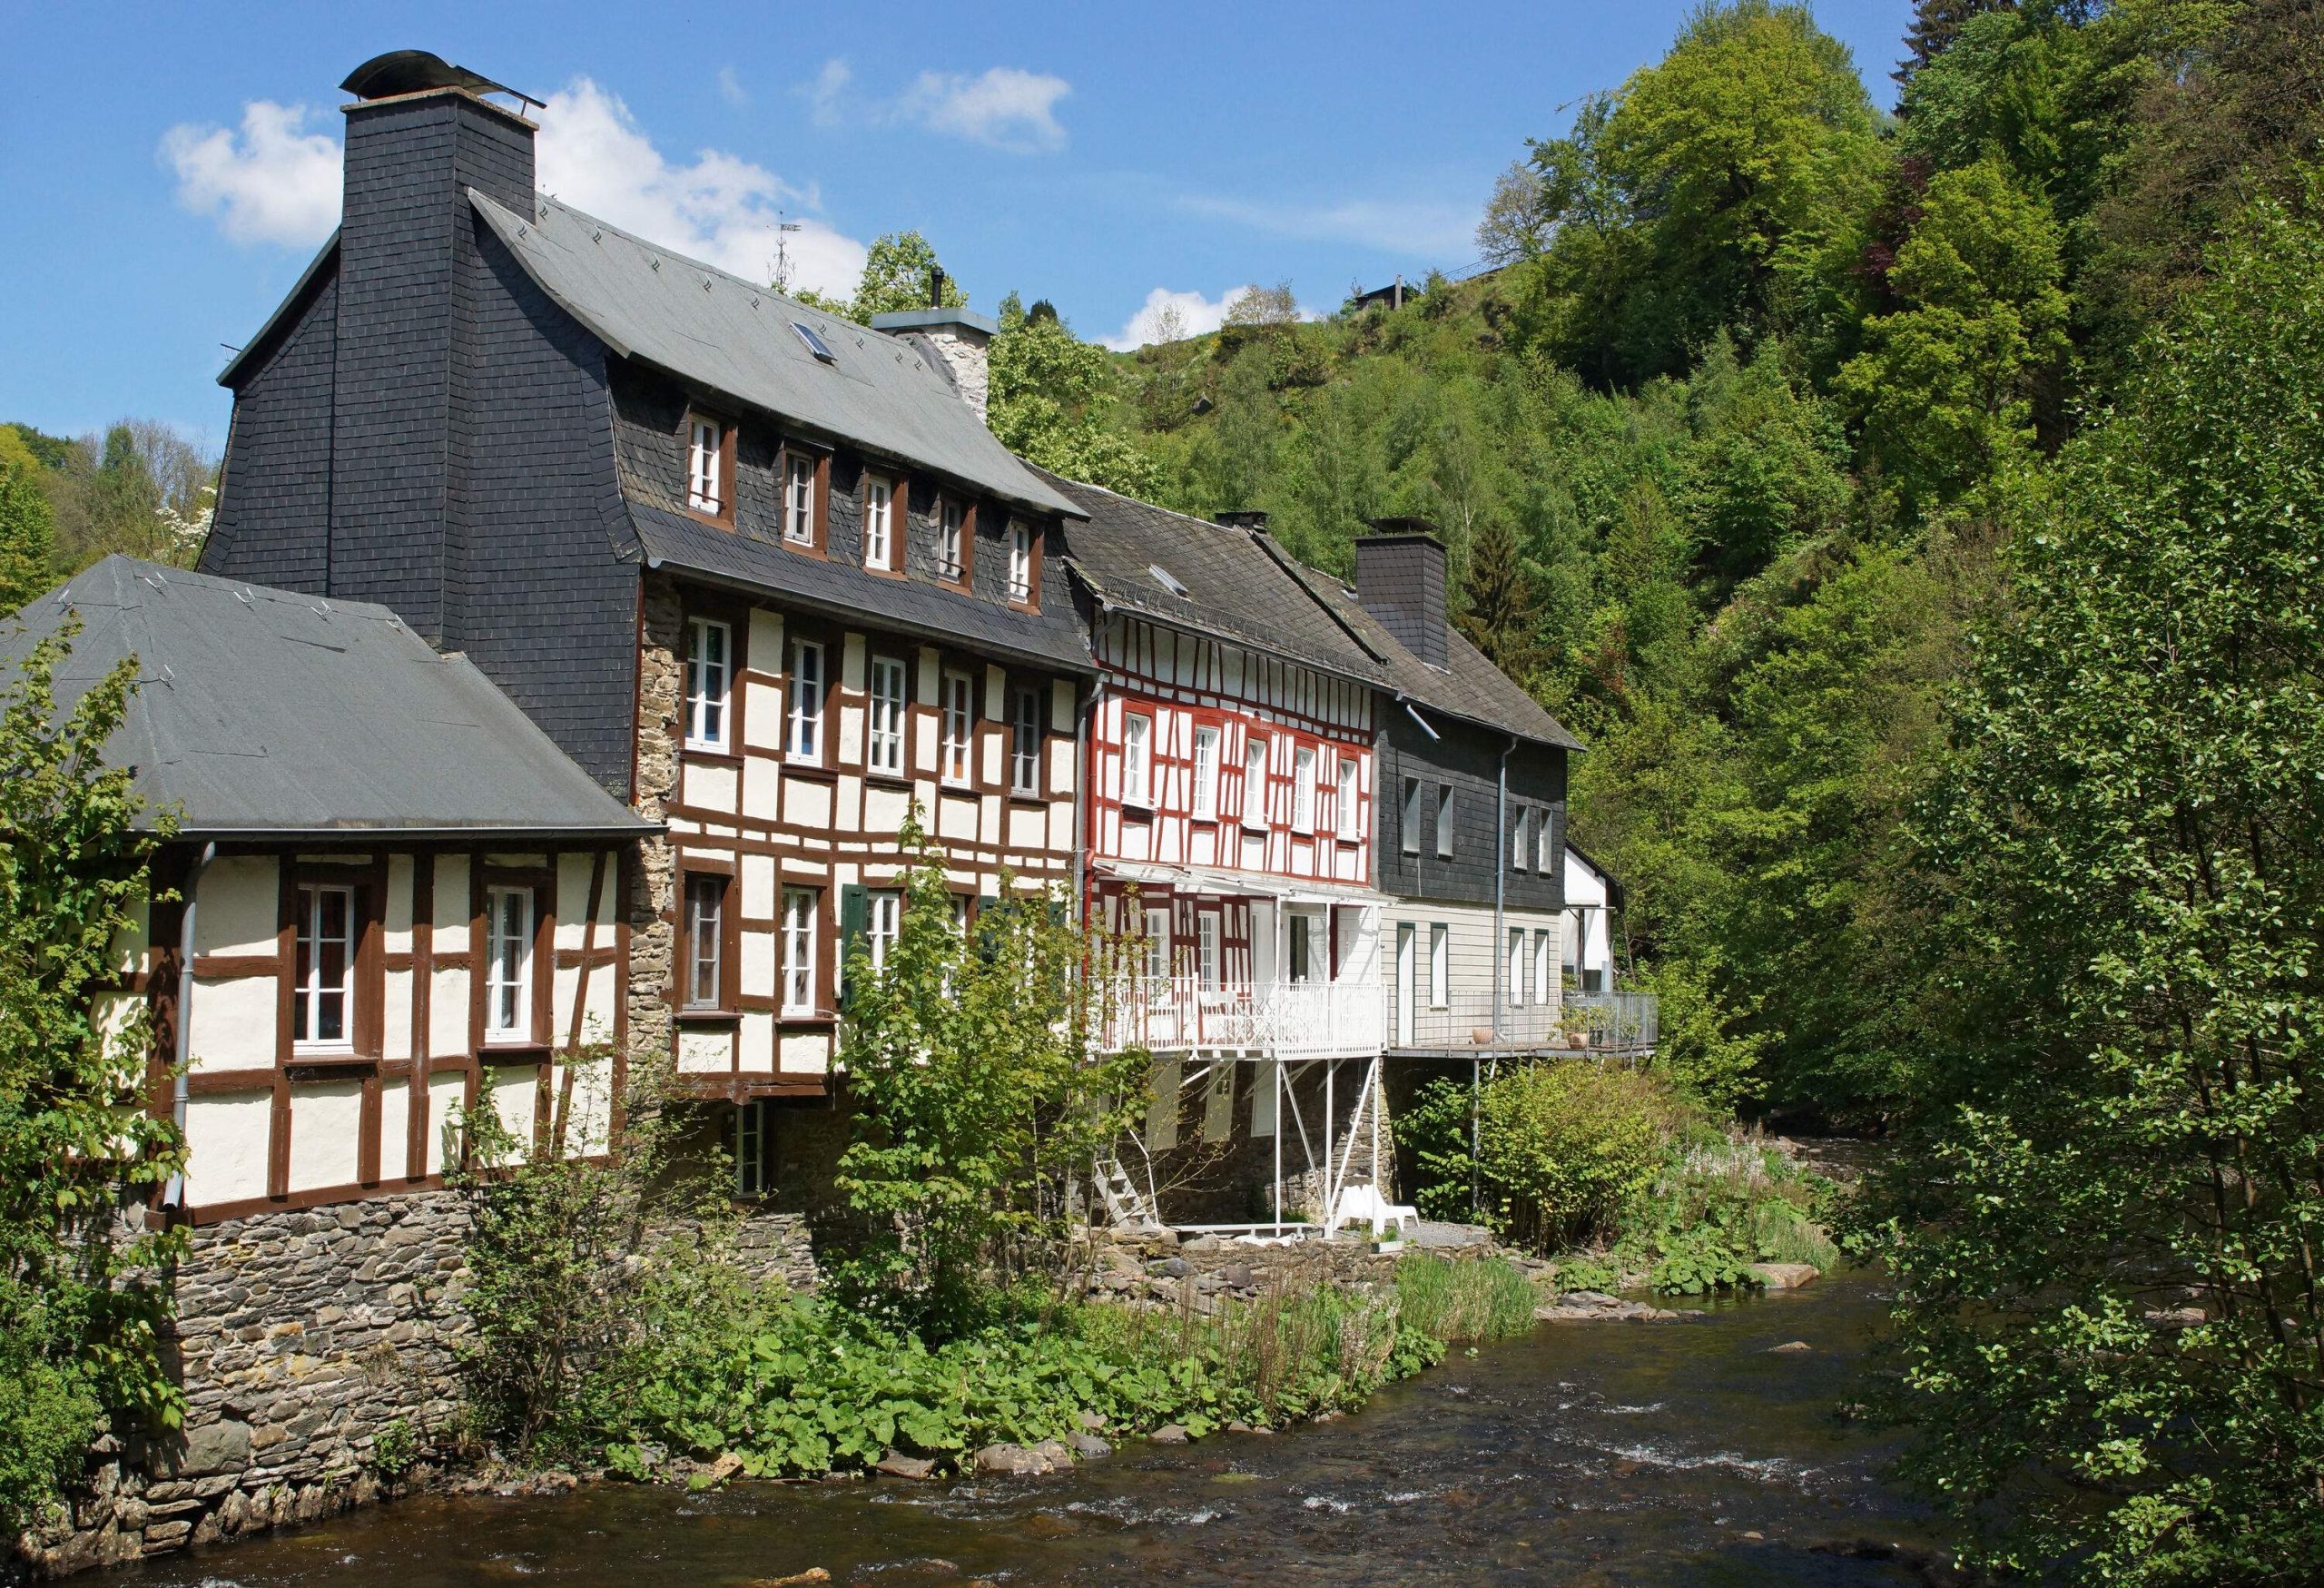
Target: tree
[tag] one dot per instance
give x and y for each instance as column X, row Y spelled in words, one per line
column 1935, row 25
column 28, row 524
column 1048, row 401
column 2108, row 1323
column 1517, row 221
column 1264, row 306
column 899, row 269
column 80, row 1306
column 982, row 1092
column 1502, row 610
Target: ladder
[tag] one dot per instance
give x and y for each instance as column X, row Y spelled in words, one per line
column 1127, row 1207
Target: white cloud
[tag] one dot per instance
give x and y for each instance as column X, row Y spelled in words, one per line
column 1422, row 228
column 1195, row 316
column 1004, row 107
column 731, row 89
column 273, row 182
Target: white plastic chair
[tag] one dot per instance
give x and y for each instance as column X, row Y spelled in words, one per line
column 1364, row 1205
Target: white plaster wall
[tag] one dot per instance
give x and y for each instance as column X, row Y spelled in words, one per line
column 515, row 1090
column 761, row 788
column 237, row 905
column 451, row 913
column 444, row 1095
column 758, row 1038
column 762, row 713
column 397, row 914
column 226, row 1141
column 711, row 788
column 806, row 1053
column 326, row 1132
column 395, row 1029
column 710, row 1051
column 448, row 1013
column 758, row 966
column 395, row 1112
column 884, row 808
column 807, row 803
column 232, row 1026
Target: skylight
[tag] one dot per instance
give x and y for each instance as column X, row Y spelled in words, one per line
column 815, row 344
column 1163, row 577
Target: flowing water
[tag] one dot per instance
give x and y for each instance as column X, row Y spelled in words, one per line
column 1586, row 1454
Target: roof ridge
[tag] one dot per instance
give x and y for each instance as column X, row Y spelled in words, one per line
column 1298, row 572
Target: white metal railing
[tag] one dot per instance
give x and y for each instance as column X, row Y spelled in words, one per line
column 1281, row 1019
column 1603, row 1023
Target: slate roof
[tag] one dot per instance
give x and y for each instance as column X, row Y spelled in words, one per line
column 1236, row 589
column 1471, row 687
column 1051, row 637
column 734, row 340
column 264, row 714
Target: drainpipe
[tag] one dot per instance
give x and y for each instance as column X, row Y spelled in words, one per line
column 182, row 1087
column 1083, row 795
column 1500, row 888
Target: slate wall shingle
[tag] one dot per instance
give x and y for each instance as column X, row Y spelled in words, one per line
column 1469, row 759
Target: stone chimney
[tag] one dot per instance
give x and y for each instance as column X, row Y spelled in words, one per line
column 954, row 340
column 419, row 136
column 1400, row 581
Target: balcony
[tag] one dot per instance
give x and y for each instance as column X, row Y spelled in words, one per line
column 1281, row 1020
column 1608, row 1023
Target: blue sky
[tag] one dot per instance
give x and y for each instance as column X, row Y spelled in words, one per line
column 169, row 168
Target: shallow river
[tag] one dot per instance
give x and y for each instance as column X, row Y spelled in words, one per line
column 1586, row 1454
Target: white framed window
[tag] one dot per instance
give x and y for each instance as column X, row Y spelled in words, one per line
column 1158, row 942
column 879, row 523
column 1138, row 734
column 1303, row 788
column 883, row 916
column 1308, row 962
column 1444, row 821
column 883, row 744
column 706, row 466
column 960, row 726
column 754, row 1147
column 1254, row 782
column 798, row 498
column 1544, row 847
column 705, row 945
column 1544, row 984
column 1440, row 964
column 1020, row 560
column 1512, row 990
column 806, row 738
column 1521, row 851
column 951, row 520
column 1205, row 794
column 1206, row 946
column 709, row 676
column 508, row 964
column 960, row 914
column 1411, row 824
column 801, row 907
column 322, row 1003
column 1025, row 743
column 1346, row 811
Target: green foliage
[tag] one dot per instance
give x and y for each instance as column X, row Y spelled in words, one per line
column 1561, row 1147
column 1047, row 402
column 898, row 270
column 980, row 1092
column 1487, row 1299
column 2129, row 853
column 81, row 1313
column 1719, row 1204
column 28, row 524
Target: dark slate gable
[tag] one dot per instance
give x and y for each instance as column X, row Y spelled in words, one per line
column 273, row 524
column 1468, row 758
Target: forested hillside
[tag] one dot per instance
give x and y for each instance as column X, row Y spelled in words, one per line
column 1725, row 448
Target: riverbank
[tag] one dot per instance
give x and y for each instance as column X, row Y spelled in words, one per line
column 1675, row 1454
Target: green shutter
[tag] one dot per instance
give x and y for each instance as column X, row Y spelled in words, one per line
column 855, row 914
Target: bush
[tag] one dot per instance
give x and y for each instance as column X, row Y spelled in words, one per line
column 1562, row 1146
column 1721, row 1204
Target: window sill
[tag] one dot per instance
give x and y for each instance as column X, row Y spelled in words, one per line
column 889, row 779
column 957, row 785
column 714, row 520
column 321, row 1056
column 1142, row 810
column 721, row 756
column 804, row 1017
column 527, row 1052
column 1021, row 796
column 814, row 769
column 803, row 548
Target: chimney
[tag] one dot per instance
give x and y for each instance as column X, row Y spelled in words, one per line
column 1400, row 581
column 953, row 339
column 419, row 135
column 1254, row 519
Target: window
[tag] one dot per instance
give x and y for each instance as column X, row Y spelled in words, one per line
column 1544, row 846
column 950, row 540
column 508, row 964
column 1410, row 822
column 710, row 672
column 879, row 523
column 1157, row 942
column 1020, row 560
column 814, row 342
column 1444, row 821
column 1306, row 949
column 1522, row 850
column 806, row 737
column 1346, row 810
column 1512, row 990
column 1255, row 782
column 326, row 967
column 707, row 466
column 883, row 749
column 798, row 498
column 960, row 726
column 1025, row 743
column 1303, row 788
column 959, row 915
column 1205, row 795
column 1440, row 967
column 705, row 941
column 1137, row 731
column 753, row 1144
column 799, row 911
column 1544, row 985
column 1206, row 946
column 882, row 923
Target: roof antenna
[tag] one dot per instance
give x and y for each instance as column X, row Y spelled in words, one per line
column 936, row 286
column 782, row 254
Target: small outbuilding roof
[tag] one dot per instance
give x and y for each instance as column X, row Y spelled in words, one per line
column 263, row 714
column 736, row 339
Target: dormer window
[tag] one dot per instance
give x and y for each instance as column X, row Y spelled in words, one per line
column 706, row 468
column 952, row 539
column 1020, row 561
column 879, row 523
column 798, row 498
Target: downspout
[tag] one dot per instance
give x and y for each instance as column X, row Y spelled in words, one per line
column 181, row 1086
column 1501, row 889
column 1083, row 798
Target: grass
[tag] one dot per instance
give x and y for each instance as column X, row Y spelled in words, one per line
column 1483, row 1298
